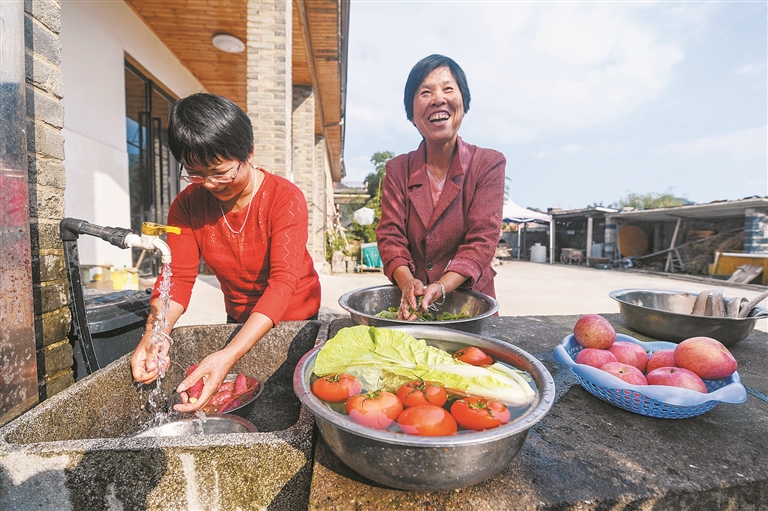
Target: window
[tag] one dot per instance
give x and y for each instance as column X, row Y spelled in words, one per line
column 153, row 172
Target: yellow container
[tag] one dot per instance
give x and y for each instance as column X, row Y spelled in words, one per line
column 125, row 279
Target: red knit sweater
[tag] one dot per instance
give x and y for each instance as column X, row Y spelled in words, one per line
column 266, row 268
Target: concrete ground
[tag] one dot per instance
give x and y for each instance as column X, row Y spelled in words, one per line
column 523, row 288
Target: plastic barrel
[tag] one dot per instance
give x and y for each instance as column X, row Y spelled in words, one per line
column 538, row 253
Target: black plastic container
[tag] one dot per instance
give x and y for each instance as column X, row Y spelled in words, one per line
column 116, row 321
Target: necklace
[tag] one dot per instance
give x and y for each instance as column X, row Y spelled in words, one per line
column 245, row 220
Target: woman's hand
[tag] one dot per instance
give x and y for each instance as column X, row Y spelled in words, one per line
column 412, row 289
column 149, row 360
column 435, row 292
column 213, row 369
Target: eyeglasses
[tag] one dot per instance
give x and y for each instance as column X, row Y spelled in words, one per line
column 217, row 179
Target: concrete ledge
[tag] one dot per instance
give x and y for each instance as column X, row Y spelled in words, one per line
column 75, row 450
column 587, row 454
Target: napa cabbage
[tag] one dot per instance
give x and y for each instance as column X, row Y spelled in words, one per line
column 382, row 358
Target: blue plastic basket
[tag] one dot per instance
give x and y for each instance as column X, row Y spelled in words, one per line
column 659, row 401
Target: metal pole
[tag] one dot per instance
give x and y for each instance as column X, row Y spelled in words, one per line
column 552, row 241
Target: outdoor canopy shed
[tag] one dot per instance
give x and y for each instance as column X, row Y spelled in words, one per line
column 520, row 215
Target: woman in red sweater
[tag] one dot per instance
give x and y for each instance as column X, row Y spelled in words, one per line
column 250, row 228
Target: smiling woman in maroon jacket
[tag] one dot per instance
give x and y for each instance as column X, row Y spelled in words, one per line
column 441, row 204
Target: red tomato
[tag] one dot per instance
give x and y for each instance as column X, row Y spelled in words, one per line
column 427, row 420
column 474, row 356
column 479, row 414
column 336, row 388
column 378, row 409
column 421, row 392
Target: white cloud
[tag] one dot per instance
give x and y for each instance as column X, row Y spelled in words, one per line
column 578, row 66
column 750, row 69
column 570, row 148
column 743, row 144
column 531, row 68
column 575, row 92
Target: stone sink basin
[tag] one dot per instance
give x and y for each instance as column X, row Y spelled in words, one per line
column 76, row 450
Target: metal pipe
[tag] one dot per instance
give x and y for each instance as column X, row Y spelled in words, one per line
column 71, row 228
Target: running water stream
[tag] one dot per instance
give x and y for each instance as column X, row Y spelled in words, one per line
column 160, row 339
column 162, row 342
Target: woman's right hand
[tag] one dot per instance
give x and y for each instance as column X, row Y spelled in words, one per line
column 411, row 290
column 144, row 361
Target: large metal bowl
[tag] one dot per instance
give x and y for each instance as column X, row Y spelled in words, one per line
column 666, row 315
column 430, row 463
column 363, row 305
column 211, row 425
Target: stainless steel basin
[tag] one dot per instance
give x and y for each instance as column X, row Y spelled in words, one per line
column 211, row 425
column 666, row 316
column 363, row 305
column 430, row 463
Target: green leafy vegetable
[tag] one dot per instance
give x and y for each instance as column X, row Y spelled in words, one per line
column 391, row 313
column 387, row 359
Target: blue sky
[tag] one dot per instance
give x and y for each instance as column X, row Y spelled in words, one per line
column 588, row 101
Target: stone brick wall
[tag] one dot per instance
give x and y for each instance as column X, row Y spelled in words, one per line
column 269, row 89
column 755, row 231
column 318, row 212
column 305, row 163
column 45, row 144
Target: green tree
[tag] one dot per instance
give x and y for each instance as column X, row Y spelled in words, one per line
column 375, row 178
column 650, row 201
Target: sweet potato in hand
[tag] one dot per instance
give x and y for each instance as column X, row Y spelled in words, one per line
column 195, row 390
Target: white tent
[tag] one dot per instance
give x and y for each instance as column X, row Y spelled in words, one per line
column 518, row 214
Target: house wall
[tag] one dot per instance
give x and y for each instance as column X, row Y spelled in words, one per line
column 323, row 206
column 46, row 179
column 95, row 37
column 269, row 83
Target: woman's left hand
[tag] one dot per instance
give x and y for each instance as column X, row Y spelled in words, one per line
column 213, row 369
column 432, row 293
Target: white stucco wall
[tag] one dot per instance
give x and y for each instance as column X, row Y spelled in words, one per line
column 95, row 36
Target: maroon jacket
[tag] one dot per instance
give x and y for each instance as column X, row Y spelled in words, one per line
column 460, row 234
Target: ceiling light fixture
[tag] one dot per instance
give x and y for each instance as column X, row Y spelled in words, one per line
column 228, row 43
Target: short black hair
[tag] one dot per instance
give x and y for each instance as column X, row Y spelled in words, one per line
column 421, row 70
column 207, row 129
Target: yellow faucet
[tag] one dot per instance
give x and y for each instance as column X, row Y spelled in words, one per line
column 150, row 240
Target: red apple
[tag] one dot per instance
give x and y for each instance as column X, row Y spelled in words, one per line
column 676, row 377
column 626, row 372
column 706, row 357
column 661, row 358
column 594, row 357
column 594, row 331
column 630, row 353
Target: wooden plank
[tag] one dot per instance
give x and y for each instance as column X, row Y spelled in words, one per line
column 672, row 246
column 745, row 274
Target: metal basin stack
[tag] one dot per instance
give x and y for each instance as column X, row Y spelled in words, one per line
column 666, row 316
column 418, row 463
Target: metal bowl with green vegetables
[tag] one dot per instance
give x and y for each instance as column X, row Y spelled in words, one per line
column 463, row 309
